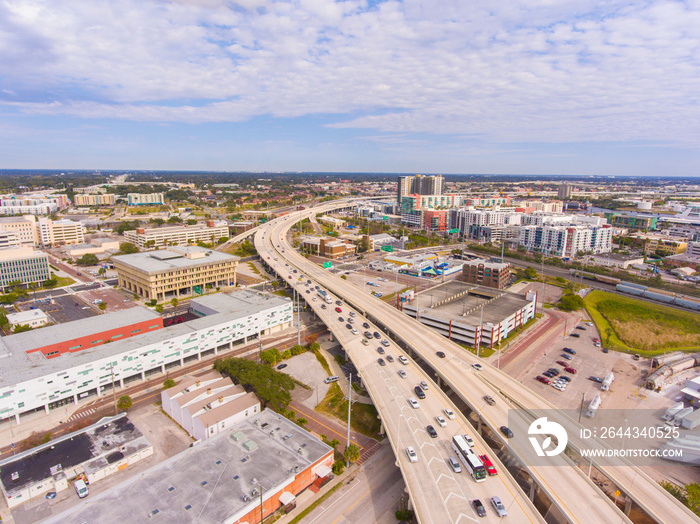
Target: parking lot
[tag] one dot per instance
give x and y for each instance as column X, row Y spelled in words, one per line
column 114, row 299
column 69, row 308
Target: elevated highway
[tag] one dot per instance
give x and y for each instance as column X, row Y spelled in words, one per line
column 573, row 494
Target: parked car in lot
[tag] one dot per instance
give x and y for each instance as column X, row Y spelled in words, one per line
column 542, row 379
column 596, row 379
column 567, row 357
column 548, row 374
column 570, row 370
column 282, row 366
column 562, row 363
column 582, row 328
column 341, row 319
column 565, row 379
column 569, row 351
column 575, row 335
column 554, row 371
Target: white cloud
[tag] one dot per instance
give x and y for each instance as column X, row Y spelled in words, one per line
column 546, row 71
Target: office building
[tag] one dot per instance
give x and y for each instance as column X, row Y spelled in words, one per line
column 23, row 264
column 566, row 241
column 32, row 205
column 34, row 318
column 485, row 273
column 564, row 191
column 178, row 235
column 62, row 232
column 631, row 222
column 24, row 227
column 145, row 199
column 9, row 239
column 95, row 200
column 178, row 271
column 31, row 380
column 220, row 480
column 328, row 247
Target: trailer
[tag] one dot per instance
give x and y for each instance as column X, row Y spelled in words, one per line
column 671, row 412
column 607, row 381
column 678, row 418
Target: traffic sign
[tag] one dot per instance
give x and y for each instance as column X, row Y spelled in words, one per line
column 390, row 249
column 327, row 265
column 452, row 231
column 385, row 217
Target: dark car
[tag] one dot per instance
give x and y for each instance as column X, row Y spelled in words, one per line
column 431, row 431
column 377, row 335
column 575, row 335
column 341, row 319
column 595, row 379
column 567, row 357
column 365, row 325
column 338, row 303
column 548, row 374
column 569, row 351
column 381, row 350
column 419, row 392
column 506, row 431
column 307, row 291
column 479, row 507
column 582, row 328
column 349, row 326
column 605, row 350
column 390, row 358
column 440, row 354
column 381, row 362
column 554, row 371
column 565, row 379
column 282, row 366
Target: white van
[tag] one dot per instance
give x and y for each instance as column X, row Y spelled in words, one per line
column 334, row 378
column 80, row 488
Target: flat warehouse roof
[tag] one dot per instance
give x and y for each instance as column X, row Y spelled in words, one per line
column 208, row 482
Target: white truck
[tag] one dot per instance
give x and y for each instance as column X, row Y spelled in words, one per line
column 671, row 412
column 678, row 417
column 607, row 381
column 593, row 406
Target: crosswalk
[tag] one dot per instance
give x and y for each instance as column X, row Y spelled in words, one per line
column 366, row 455
column 81, row 414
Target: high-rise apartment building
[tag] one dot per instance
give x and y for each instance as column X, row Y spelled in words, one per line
column 419, row 185
column 564, row 192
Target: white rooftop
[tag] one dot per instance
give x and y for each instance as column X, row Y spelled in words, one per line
column 165, row 260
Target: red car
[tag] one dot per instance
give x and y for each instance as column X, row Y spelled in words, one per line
column 338, row 310
column 562, row 363
column 570, row 370
column 490, row 469
column 542, row 379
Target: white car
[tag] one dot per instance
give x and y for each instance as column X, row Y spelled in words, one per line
column 441, row 421
column 469, row 441
column 499, row 507
column 354, row 331
column 449, row 414
column 411, row 454
column 413, row 402
column 403, row 360
column 402, row 373
column 478, row 367
column 590, row 324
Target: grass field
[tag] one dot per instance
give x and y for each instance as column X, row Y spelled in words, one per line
column 642, row 327
column 364, row 416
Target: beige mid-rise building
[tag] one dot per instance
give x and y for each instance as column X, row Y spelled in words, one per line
column 94, row 200
column 24, row 227
column 59, row 232
column 177, row 235
column 175, row 272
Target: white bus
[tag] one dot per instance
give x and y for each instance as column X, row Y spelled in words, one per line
column 473, row 464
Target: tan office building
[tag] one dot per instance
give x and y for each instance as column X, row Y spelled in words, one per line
column 177, row 235
column 175, row 272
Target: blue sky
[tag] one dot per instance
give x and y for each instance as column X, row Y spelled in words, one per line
column 526, row 86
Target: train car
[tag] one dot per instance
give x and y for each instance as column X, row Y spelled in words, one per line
column 632, row 284
column 630, row 290
column 607, row 280
column 661, row 297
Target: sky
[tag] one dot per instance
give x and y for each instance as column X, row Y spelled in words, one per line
column 435, row 86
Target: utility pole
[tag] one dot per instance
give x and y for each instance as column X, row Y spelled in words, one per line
column 481, row 329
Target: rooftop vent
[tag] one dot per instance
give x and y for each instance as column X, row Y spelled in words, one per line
column 171, row 489
column 245, row 498
column 254, row 492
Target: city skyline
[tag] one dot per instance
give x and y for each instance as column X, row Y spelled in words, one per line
column 400, row 87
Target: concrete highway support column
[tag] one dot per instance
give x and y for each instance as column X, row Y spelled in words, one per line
column 533, row 489
column 439, row 381
column 628, row 506
column 479, row 429
column 382, row 431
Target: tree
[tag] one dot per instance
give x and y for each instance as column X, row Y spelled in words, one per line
column 168, row 384
column 124, row 403
column 174, row 220
column 302, row 422
column 127, row 248
column 343, row 277
column 157, row 221
column 191, row 221
column 51, row 283
column 608, row 333
column 221, row 240
column 271, row 356
column 338, row 467
column 272, row 387
column 159, row 308
column 102, row 306
column 530, row 273
column 352, row 453
column 570, row 302
column 21, row 328
column 88, row 260
column 313, row 337
column 174, row 301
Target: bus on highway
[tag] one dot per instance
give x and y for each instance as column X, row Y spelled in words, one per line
column 474, row 466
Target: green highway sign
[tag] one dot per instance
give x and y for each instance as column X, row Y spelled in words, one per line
column 452, row 231
column 390, row 249
column 385, row 217
column 327, row 265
